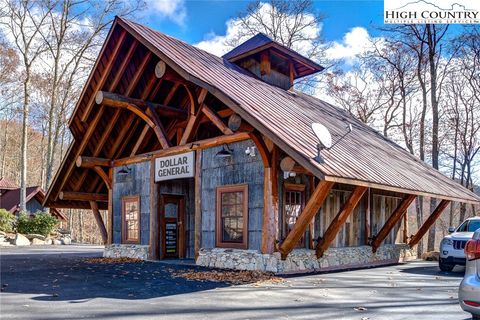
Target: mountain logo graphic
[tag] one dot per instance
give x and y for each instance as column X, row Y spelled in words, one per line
column 432, row 11
column 454, row 6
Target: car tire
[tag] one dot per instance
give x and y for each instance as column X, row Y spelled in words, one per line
column 445, row 266
column 475, row 317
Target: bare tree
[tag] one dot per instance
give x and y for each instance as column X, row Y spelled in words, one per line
column 72, row 45
column 23, row 21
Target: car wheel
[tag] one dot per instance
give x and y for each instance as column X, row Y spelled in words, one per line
column 475, row 317
column 445, row 266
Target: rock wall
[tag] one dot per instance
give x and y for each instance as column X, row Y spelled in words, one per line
column 134, row 251
column 304, row 260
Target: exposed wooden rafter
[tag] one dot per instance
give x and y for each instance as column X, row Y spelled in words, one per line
column 194, row 118
column 392, row 221
column 217, row 121
column 311, row 208
column 339, row 220
column 83, row 143
column 119, row 73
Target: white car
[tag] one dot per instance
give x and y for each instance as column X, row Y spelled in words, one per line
column 469, row 291
column 453, row 245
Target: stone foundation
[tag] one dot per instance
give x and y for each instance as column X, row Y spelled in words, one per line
column 304, row 260
column 134, row 251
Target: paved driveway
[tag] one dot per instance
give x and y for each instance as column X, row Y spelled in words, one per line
column 55, row 283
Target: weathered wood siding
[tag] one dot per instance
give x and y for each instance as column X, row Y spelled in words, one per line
column 382, row 209
column 238, row 169
column 136, row 182
column 184, row 187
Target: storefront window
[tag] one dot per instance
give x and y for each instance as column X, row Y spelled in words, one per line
column 131, row 219
column 232, row 215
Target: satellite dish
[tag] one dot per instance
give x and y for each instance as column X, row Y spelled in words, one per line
column 323, row 135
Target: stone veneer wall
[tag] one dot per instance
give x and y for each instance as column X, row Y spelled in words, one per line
column 304, row 260
column 134, row 251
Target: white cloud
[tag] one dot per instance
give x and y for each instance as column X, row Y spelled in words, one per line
column 219, row 44
column 173, row 10
column 354, row 42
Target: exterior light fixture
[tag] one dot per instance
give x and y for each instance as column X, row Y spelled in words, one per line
column 124, row 171
column 250, row 151
column 226, row 152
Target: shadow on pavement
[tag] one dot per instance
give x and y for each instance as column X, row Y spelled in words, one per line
column 67, row 276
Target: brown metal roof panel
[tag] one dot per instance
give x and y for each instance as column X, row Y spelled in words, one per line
column 289, row 117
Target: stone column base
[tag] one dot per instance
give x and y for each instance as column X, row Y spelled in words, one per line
column 134, row 251
column 304, row 260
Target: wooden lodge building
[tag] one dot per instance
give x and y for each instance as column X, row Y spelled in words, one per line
column 197, row 156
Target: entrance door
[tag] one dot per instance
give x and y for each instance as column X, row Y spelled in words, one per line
column 173, row 226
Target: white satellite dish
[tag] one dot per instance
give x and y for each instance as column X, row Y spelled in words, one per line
column 323, row 135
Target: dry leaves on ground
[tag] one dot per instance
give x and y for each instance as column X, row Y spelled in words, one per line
column 112, row 260
column 232, row 277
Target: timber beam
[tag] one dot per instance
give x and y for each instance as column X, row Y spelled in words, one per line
column 392, row 221
column 119, row 101
column 339, row 220
column 196, row 145
column 429, row 222
column 99, row 220
column 313, row 205
column 83, row 196
column 91, row 162
column 104, row 176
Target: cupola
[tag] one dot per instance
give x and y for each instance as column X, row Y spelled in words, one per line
column 271, row 61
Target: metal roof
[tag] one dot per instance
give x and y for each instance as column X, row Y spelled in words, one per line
column 10, row 200
column 261, row 42
column 255, row 42
column 7, row 184
column 364, row 157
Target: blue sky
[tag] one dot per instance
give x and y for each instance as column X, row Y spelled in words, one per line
column 202, row 18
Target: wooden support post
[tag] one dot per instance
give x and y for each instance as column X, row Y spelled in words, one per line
column 313, row 205
column 429, row 222
column 154, row 252
column 392, row 221
column 265, row 63
column 99, row 220
column 368, row 204
column 268, row 227
column 217, row 121
column 339, row 220
column 83, row 196
column 311, row 228
column 198, row 204
column 405, row 227
column 110, row 209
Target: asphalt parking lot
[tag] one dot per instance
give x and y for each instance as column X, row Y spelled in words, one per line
column 56, row 283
